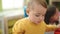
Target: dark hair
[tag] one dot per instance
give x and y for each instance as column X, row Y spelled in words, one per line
column 51, row 10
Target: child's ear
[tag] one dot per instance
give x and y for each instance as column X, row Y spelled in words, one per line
column 27, row 11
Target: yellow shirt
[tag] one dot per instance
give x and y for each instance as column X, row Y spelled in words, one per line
column 25, row 26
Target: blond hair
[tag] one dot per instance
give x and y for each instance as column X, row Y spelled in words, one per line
column 42, row 2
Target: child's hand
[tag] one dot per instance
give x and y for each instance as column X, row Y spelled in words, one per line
column 58, row 26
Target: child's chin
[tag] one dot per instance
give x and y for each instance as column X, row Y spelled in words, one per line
column 37, row 22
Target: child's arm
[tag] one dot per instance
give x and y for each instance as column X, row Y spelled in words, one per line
column 52, row 27
column 18, row 28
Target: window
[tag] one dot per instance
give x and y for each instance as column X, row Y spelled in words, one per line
column 12, row 4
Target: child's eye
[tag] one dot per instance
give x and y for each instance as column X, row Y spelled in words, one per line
column 43, row 15
column 37, row 15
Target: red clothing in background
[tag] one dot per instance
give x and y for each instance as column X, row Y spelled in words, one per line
column 57, row 31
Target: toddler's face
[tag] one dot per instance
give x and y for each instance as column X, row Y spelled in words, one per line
column 36, row 15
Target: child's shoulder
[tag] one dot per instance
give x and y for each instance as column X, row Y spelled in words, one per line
column 22, row 20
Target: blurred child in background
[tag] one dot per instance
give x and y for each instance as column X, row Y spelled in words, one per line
column 52, row 15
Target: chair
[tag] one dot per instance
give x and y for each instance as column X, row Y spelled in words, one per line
column 3, row 28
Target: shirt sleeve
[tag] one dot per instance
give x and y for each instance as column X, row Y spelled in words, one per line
column 50, row 27
column 18, row 28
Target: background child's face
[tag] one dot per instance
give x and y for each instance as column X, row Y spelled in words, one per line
column 36, row 15
column 56, row 15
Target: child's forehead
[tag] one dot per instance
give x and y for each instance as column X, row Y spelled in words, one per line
column 39, row 9
column 39, row 12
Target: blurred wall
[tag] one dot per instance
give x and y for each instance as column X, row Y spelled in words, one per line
column 0, row 5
